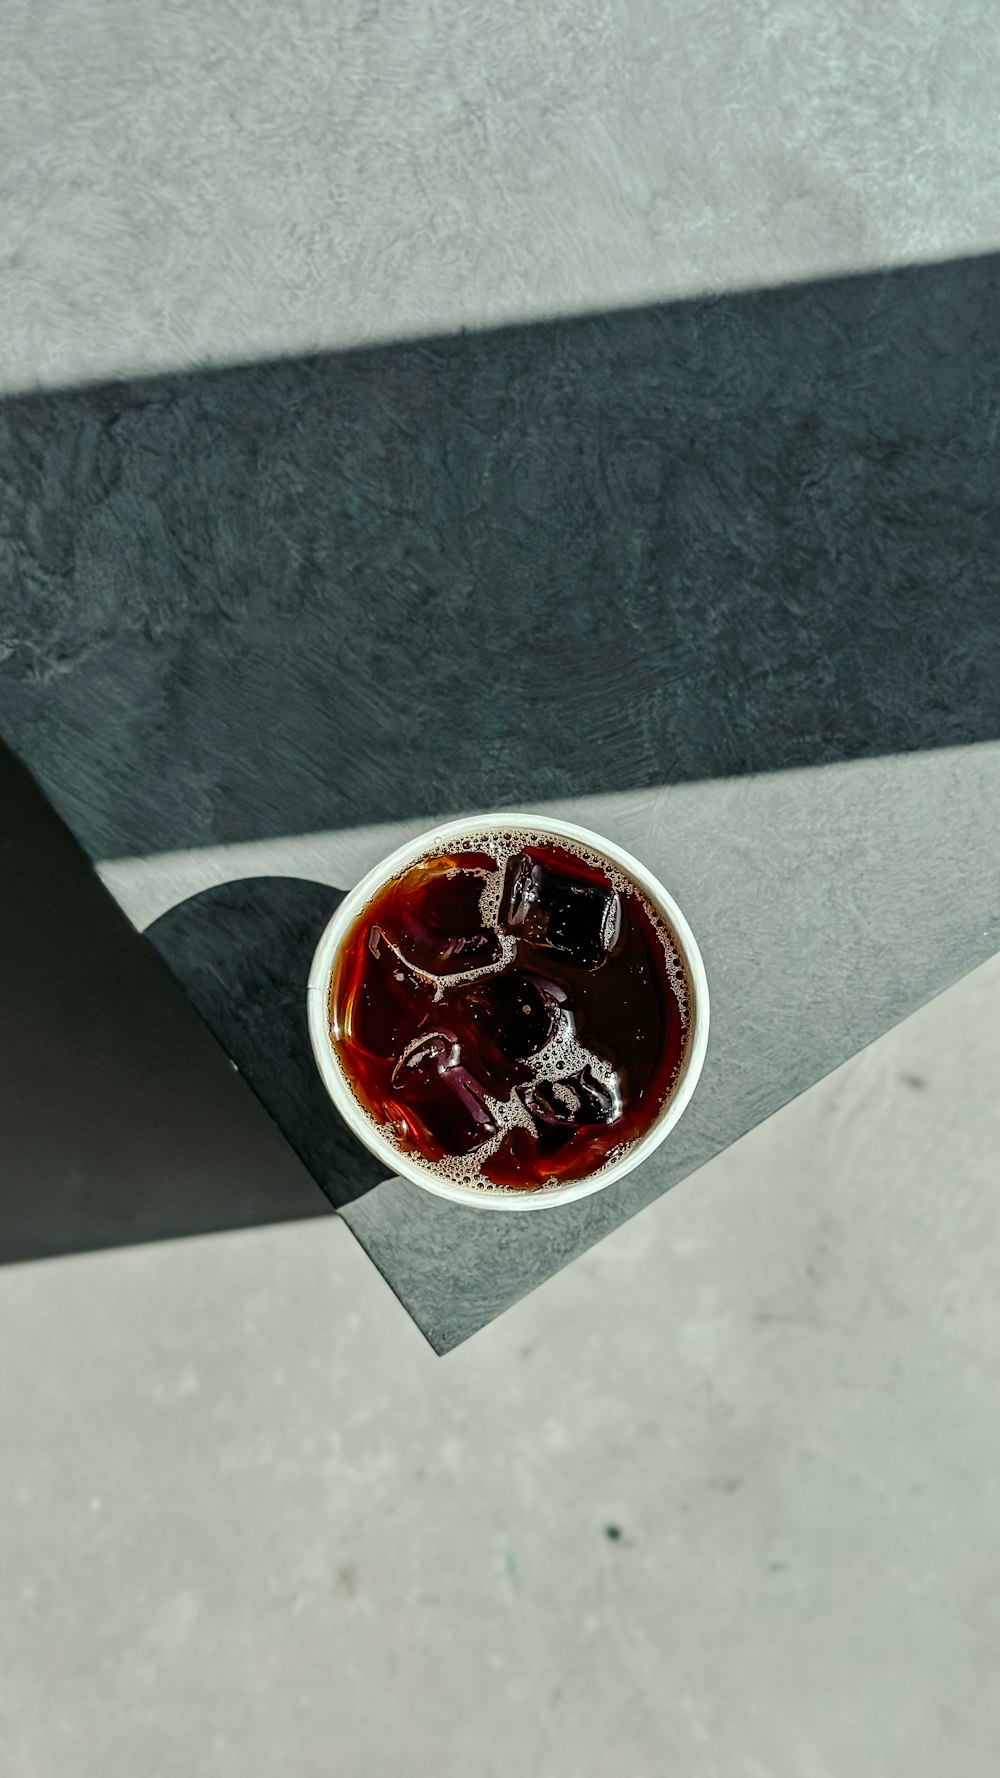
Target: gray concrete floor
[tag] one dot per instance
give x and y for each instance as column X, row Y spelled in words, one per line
column 207, row 180
column 251, row 1525
column 248, row 1523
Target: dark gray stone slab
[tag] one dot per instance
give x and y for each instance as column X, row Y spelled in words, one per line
column 674, row 543
column 828, row 905
column 644, row 561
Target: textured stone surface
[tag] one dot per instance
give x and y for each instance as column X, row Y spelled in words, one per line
column 828, row 904
column 594, row 558
column 602, row 556
column 250, row 1526
column 696, row 540
column 192, row 182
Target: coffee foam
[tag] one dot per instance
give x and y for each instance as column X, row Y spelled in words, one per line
column 564, row 1054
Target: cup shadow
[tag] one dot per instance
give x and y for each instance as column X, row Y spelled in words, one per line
column 242, row 952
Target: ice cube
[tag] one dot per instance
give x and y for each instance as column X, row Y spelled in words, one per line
column 392, row 1001
column 439, row 1092
column 571, row 1102
column 540, row 905
column 440, row 927
column 519, row 1012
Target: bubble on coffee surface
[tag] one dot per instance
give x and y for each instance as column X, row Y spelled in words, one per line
column 563, row 1055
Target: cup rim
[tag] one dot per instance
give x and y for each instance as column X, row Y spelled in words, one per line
column 332, row 1074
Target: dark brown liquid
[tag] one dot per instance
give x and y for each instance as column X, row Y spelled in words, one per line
column 536, row 1044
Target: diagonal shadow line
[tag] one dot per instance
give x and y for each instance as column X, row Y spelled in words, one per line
column 699, row 539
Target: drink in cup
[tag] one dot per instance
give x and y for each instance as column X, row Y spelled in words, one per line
column 511, row 1011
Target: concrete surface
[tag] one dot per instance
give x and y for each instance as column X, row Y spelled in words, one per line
column 249, row 1524
column 688, row 541
column 663, row 556
column 215, row 181
column 828, row 904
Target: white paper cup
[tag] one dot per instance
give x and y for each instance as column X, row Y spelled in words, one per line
column 437, row 839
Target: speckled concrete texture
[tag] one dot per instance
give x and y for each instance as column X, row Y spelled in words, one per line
column 199, row 182
column 828, row 904
column 720, row 1500
column 678, row 543
column 671, row 550
column 250, row 1525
